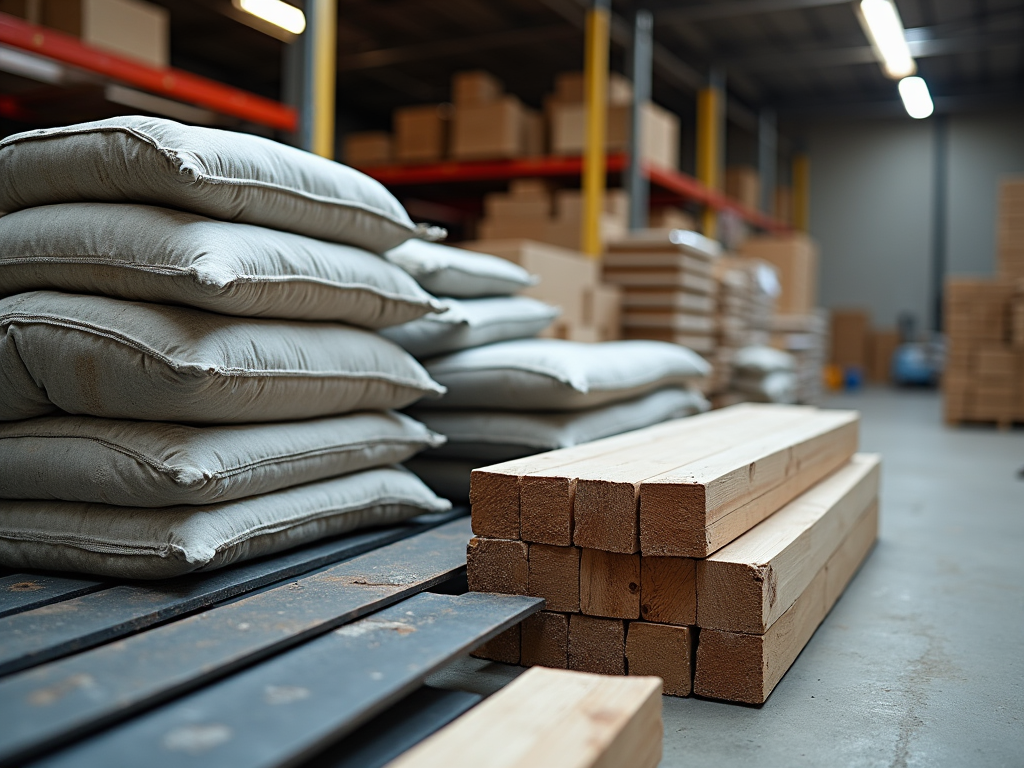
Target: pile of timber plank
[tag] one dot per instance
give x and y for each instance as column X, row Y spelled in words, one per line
column 668, row 286
column 805, row 337
column 745, row 523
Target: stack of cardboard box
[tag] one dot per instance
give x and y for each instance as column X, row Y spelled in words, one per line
column 1011, row 228
column 984, row 377
column 530, row 209
column 364, row 149
column 805, row 337
column 488, row 123
column 668, row 286
column 743, row 184
column 567, row 119
column 848, row 348
column 569, row 280
column 733, row 301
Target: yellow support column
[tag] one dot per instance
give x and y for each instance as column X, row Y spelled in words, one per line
column 801, row 192
column 324, row 40
column 594, row 160
column 711, row 144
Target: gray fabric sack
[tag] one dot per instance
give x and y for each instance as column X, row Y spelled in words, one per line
column 132, row 543
column 145, row 253
column 97, row 356
column 456, row 272
column 472, row 323
column 489, row 437
column 559, row 375
column 153, row 464
column 220, row 174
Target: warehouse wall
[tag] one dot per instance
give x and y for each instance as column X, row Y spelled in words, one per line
column 872, row 186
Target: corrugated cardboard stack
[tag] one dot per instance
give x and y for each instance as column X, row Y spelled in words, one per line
column 805, row 337
column 732, row 327
column 488, row 123
column 569, row 280
column 668, row 286
column 743, row 184
column 636, row 541
column 1011, row 228
column 848, row 348
column 566, row 114
column 984, row 377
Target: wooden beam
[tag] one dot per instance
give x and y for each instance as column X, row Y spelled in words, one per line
column 668, row 590
column 609, row 584
column 664, row 651
column 597, row 645
column 749, row 584
column 545, row 639
column 555, row 576
column 746, row 668
column 506, row 648
column 698, row 508
column 549, row 718
column 497, row 565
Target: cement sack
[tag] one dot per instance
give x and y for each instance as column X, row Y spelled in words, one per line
column 456, row 272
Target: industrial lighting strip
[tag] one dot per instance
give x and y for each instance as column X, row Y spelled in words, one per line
column 884, row 28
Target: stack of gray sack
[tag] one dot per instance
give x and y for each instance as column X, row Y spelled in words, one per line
column 765, row 375
column 511, row 395
column 190, row 373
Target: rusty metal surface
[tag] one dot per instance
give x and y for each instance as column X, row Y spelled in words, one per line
column 40, row 635
column 24, row 591
column 287, row 708
column 57, row 701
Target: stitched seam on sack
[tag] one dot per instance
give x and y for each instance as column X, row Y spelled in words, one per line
column 195, row 368
column 559, row 377
column 141, row 267
column 93, row 545
column 470, row 323
column 175, row 155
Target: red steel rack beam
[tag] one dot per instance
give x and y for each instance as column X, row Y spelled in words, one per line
column 171, row 83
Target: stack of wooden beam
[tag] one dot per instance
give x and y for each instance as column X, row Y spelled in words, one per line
column 746, row 522
column 805, row 337
column 668, row 286
column 984, row 376
column 1010, row 234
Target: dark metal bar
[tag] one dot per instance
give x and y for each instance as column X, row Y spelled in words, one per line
column 24, row 591
column 636, row 181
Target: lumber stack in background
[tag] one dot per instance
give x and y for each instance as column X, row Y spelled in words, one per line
column 805, row 337
column 620, row 537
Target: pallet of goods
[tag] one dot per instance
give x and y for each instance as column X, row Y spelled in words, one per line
column 745, row 523
column 1010, row 235
column 984, row 376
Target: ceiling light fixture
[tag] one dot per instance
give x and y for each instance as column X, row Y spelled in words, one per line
column 882, row 24
column 917, row 100
column 275, row 12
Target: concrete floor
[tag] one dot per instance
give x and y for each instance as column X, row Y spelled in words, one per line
column 921, row 662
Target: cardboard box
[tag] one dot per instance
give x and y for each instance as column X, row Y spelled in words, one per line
column 743, row 184
column 849, row 338
column 534, row 134
column 366, row 148
column 130, row 28
column 659, row 144
column 475, row 88
column 421, row 133
column 29, row 10
column 498, row 205
column 795, row 258
column 486, row 131
column 602, row 309
column 569, row 88
column 784, row 204
column 670, row 217
column 881, row 348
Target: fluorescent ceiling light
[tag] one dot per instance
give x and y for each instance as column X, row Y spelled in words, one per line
column 881, row 22
column 278, row 13
column 917, row 100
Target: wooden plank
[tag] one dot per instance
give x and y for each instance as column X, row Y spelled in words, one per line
column 549, row 718
column 607, row 500
column 496, row 565
column 662, row 650
column 609, row 584
column 422, row 713
column 597, row 645
column 747, row 585
column 668, row 590
column 43, row 634
column 57, row 701
column 545, row 638
column 699, row 508
column 293, row 705
column 555, row 576
column 746, row 668
column 25, row 591
column 506, row 648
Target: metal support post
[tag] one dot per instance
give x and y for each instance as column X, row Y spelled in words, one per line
column 637, row 183
column 320, row 49
column 711, row 142
column 767, row 159
column 594, row 159
column 801, row 191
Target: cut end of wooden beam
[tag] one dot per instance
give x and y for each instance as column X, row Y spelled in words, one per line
column 663, row 651
column 668, row 590
column 609, row 584
column 673, row 520
column 597, row 645
column 494, row 498
column 497, row 565
column 730, row 666
column 504, row 648
column 546, row 509
column 555, row 576
column 606, row 516
column 545, row 640
column 735, row 596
